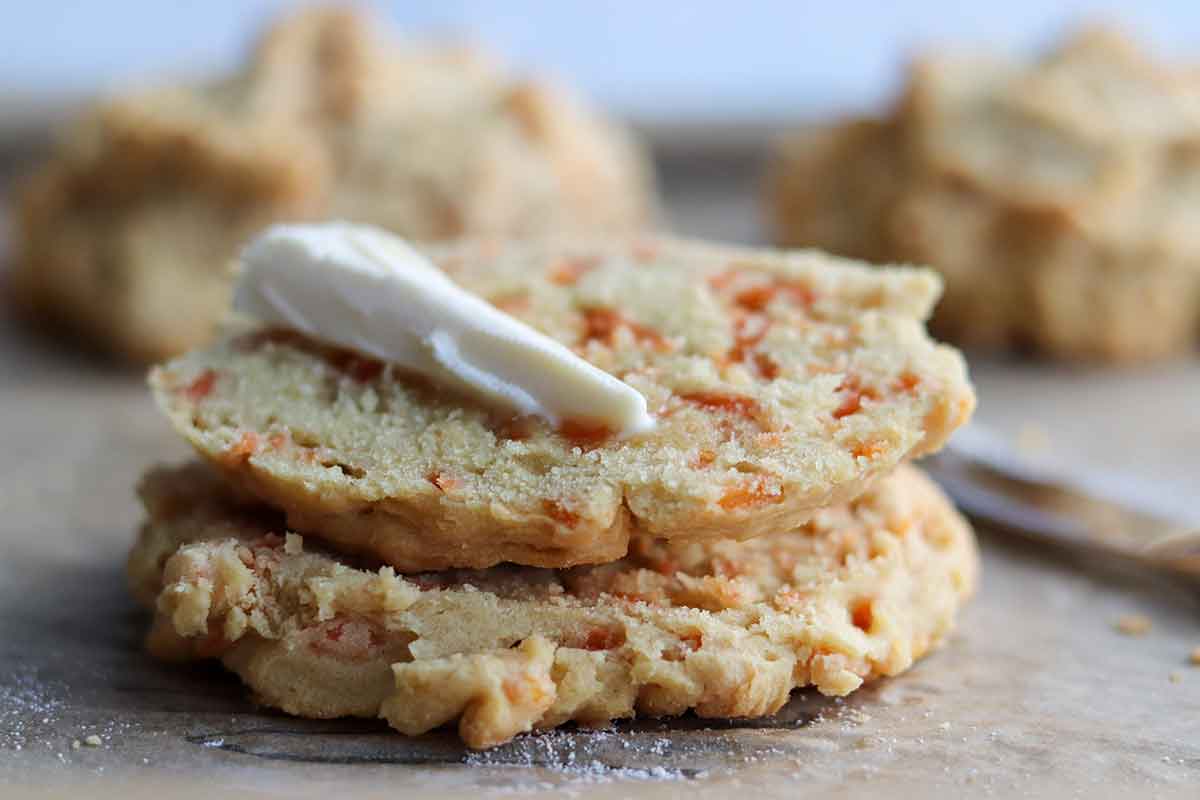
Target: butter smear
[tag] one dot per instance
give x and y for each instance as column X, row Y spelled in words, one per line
column 364, row 289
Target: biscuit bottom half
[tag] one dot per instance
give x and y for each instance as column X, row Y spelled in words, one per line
column 724, row 628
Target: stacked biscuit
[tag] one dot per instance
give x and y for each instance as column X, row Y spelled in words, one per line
column 357, row 540
column 1057, row 198
column 126, row 236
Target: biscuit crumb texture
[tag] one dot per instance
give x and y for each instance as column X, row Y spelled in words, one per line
column 127, row 235
column 1056, row 197
column 780, row 383
column 726, row 629
column 1133, row 624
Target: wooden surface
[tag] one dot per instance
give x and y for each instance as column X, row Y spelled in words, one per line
column 1035, row 695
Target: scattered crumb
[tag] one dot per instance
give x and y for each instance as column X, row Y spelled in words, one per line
column 1033, row 439
column 293, row 544
column 855, row 716
column 75, row 744
column 1175, row 677
column 1133, row 624
column 1195, row 656
column 93, row 741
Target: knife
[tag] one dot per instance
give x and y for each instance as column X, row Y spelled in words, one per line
column 993, row 485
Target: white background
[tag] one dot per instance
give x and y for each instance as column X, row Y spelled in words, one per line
column 655, row 61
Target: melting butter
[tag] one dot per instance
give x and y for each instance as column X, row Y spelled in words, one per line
column 367, row 290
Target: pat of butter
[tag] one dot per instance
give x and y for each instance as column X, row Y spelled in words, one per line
column 367, row 290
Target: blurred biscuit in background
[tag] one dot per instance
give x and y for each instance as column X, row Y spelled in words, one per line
column 127, row 235
column 1058, row 198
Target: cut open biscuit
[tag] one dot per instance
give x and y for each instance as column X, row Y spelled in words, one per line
column 723, row 628
column 780, row 383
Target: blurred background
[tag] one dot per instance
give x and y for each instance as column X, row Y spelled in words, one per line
column 709, row 84
column 657, row 63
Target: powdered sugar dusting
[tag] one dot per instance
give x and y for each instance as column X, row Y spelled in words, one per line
column 582, row 756
column 29, row 709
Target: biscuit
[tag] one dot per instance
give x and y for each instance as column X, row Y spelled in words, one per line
column 780, row 383
column 1056, row 198
column 127, row 234
column 723, row 628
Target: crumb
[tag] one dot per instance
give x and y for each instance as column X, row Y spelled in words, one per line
column 855, row 716
column 75, row 744
column 93, row 741
column 1195, row 656
column 1175, row 677
column 1033, row 439
column 1133, row 624
column 293, row 544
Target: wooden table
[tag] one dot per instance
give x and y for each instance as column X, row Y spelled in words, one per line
column 1036, row 694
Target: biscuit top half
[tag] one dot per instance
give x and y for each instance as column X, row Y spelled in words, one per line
column 779, row 383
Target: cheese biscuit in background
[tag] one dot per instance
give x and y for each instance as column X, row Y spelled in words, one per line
column 125, row 237
column 1057, row 198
